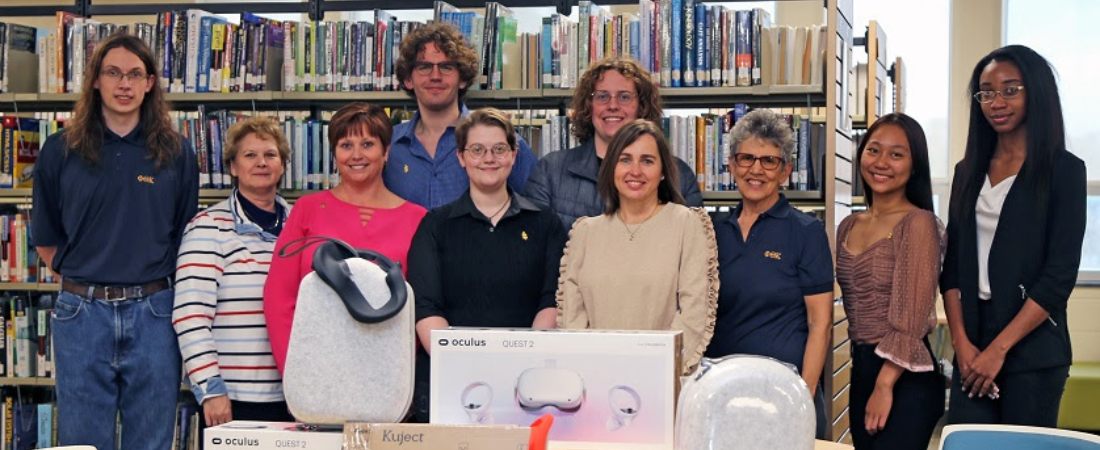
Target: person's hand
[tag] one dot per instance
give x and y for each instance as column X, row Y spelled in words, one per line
column 217, row 410
column 878, row 409
column 965, row 353
column 983, row 370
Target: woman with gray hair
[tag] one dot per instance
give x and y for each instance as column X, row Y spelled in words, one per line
column 774, row 263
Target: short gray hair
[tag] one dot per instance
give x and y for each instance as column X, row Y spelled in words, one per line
column 767, row 126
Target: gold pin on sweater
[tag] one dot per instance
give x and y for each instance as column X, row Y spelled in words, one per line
column 773, row 255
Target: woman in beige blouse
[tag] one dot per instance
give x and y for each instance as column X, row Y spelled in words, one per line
column 888, row 265
column 647, row 263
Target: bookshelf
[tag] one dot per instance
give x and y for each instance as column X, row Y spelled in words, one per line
column 693, row 97
column 32, row 287
column 27, row 381
column 828, row 99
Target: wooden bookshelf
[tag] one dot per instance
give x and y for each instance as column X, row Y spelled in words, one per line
column 27, row 381
column 782, row 96
column 735, row 196
column 37, row 287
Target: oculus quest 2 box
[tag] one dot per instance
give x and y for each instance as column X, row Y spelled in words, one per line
column 252, row 435
column 605, row 389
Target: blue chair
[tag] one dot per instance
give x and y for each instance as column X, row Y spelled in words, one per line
column 1014, row 437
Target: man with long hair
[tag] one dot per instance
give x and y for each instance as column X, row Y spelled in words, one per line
column 611, row 93
column 436, row 66
column 112, row 194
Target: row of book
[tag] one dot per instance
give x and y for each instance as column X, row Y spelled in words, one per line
column 700, row 140
column 27, row 419
column 19, row 263
column 20, row 138
column 186, row 434
column 681, row 42
column 27, row 349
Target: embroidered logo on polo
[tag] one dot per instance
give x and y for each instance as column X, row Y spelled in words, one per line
column 772, row 254
column 147, row 179
column 406, row 168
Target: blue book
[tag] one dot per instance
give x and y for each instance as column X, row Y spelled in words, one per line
column 25, row 427
column 635, row 40
column 45, row 424
column 677, row 44
column 206, row 24
column 315, row 158
column 702, row 71
column 688, row 54
column 547, row 40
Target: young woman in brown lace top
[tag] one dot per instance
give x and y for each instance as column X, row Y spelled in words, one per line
column 888, row 264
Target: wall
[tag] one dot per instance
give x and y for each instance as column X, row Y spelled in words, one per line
column 975, row 31
column 1084, row 328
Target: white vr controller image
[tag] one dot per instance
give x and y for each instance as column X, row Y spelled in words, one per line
column 625, row 404
column 476, row 399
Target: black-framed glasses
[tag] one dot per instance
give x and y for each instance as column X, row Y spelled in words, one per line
column 116, row 75
column 426, row 68
column 623, row 97
column 987, row 95
column 767, row 161
column 479, row 151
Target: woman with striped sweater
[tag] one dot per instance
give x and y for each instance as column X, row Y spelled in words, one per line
column 223, row 264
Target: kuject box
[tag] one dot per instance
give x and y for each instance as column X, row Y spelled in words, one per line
column 605, row 389
column 253, row 435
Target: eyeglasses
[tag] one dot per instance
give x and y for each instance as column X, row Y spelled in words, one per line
column 478, row 151
column 116, row 75
column 747, row 160
column 426, row 68
column 623, row 97
column 987, row 96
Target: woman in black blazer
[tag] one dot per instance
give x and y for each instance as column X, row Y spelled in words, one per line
column 1018, row 203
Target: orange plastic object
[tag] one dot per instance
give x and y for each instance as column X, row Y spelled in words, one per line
column 540, row 432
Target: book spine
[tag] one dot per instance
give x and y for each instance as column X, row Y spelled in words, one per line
column 689, row 36
column 677, row 42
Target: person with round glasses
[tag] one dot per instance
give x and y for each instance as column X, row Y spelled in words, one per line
column 610, row 94
column 488, row 259
column 775, row 266
column 113, row 193
column 436, row 66
column 1014, row 238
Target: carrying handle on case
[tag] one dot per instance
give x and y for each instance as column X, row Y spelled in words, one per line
column 330, row 264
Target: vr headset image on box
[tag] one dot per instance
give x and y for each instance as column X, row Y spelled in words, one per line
column 537, row 388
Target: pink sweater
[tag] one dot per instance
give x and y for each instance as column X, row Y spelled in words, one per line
column 388, row 232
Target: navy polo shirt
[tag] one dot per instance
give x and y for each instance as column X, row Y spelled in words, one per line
column 761, row 304
column 117, row 222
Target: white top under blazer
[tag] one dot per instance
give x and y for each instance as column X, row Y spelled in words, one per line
column 988, row 213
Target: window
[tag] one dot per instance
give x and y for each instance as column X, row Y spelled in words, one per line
column 1071, row 51
column 919, row 36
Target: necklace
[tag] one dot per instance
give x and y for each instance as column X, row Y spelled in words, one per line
column 492, row 227
column 632, row 233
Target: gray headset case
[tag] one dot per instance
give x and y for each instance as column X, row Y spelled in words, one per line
column 339, row 369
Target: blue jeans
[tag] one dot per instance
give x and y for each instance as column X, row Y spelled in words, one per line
column 111, row 358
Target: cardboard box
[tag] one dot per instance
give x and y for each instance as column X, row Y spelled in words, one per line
column 407, row 436
column 606, row 389
column 252, row 435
